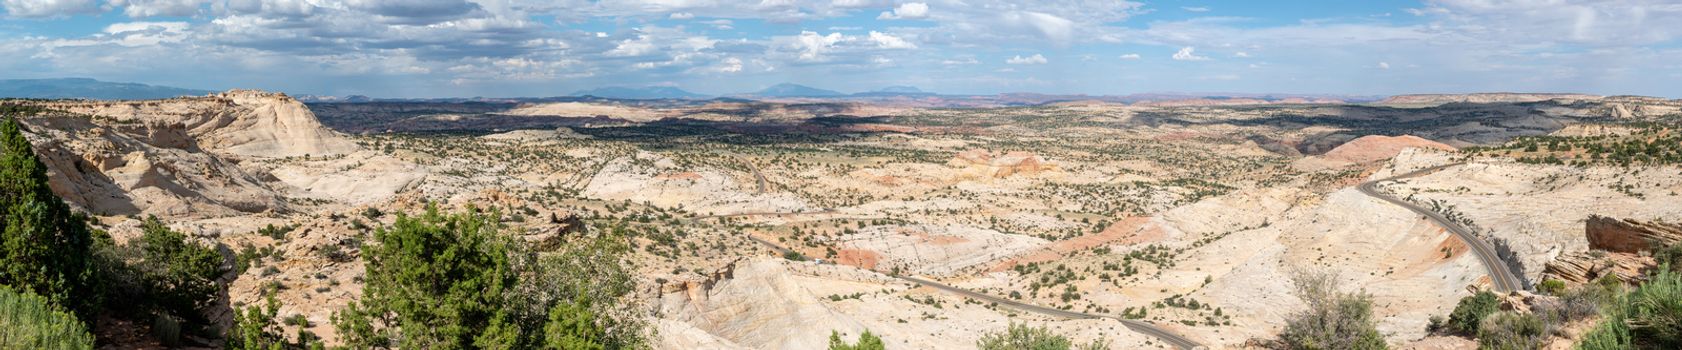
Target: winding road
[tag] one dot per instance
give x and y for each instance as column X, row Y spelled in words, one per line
column 1135, row 325
column 1504, row 279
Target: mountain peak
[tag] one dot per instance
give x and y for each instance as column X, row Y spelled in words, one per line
column 795, row 90
column 639, row 93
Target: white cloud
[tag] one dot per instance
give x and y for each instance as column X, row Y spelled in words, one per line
column 910, row 10
column 1599, row 23
column 681, row 15
column 146, row 33
column 887, row 41
column 1384, row 65
column 642, row 45
column 48, row 8
column 728, row 65
column 1195, row 9
column 1131, row 56
column 1049, row 26
column 1186, row 54
column 1241, row 54
column 1035, row 59
column 960, row 61
column 813, row 46
column 154, row 8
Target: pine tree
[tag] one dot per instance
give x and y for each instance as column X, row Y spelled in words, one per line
column 44, row 246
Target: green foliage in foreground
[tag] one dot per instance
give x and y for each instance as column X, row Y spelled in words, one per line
column 866, row 341
column 1471, row 310
column 28, row 321
column 1023, row 337
column 1334, row 319
column 1649, row 317
column 453, row 281
column 1509, row 330
column 44, row 246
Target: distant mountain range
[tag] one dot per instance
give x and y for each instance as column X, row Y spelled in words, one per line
column 795, row 90
column 903, row 95
column 89, row 89
column 642, row 93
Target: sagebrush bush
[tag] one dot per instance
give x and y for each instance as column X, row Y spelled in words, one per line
column 1022, row 336
column 29, row 321
column 1648, row 317
column 1509, row 330
column 1335, row 319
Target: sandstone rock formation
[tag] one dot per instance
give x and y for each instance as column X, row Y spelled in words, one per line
column 1585, row 267
column 1001, row 165
column 143, row 168
column 1629, row 236
column 1367, row 149
column 1619, row 247
column 242, row 122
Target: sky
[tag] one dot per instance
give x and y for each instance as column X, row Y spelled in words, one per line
column 513, row 48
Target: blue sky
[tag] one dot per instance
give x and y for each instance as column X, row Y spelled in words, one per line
column 436, row 48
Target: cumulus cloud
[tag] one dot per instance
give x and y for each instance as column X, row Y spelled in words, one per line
column 1187, row 54
column 681, row 15
column 887, row 41
column 1035, row 59
column 910, row 10
column 154, row 8
column 48, row 8
column 1131, row 56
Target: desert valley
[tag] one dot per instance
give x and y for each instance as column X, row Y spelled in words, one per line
column 930, row 222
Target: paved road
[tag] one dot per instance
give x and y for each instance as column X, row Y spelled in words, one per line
column 1135, row 325
column 1505, row 280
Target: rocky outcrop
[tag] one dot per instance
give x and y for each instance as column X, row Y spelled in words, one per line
column 1002, row 165
column 1585, row 267
column 1629, row 236
column 240, row 122
column 1366, row 149
column 1618, row 249
column 117, row 168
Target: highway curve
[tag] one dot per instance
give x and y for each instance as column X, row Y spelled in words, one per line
column 1135, row 325
column 1505, row 280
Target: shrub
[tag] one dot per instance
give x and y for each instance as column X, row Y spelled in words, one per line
column 1551, row 287
column 1471, row 310
column 1508, row 330
column 1334, row 320
column 1023, row 337
column 29, row 321
column 162, row 278
column 254, row 328
column 454, row 281
column 45, row 248
column 1648, row 317
column 866, row 341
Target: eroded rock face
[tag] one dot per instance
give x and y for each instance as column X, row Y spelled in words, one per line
column 115, row 168
column 1585, row 267
column 1002, row 165
column 242, row 122
column 1629, row 236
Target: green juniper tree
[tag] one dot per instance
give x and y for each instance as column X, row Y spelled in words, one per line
column 455, row 281
column 44, row 246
